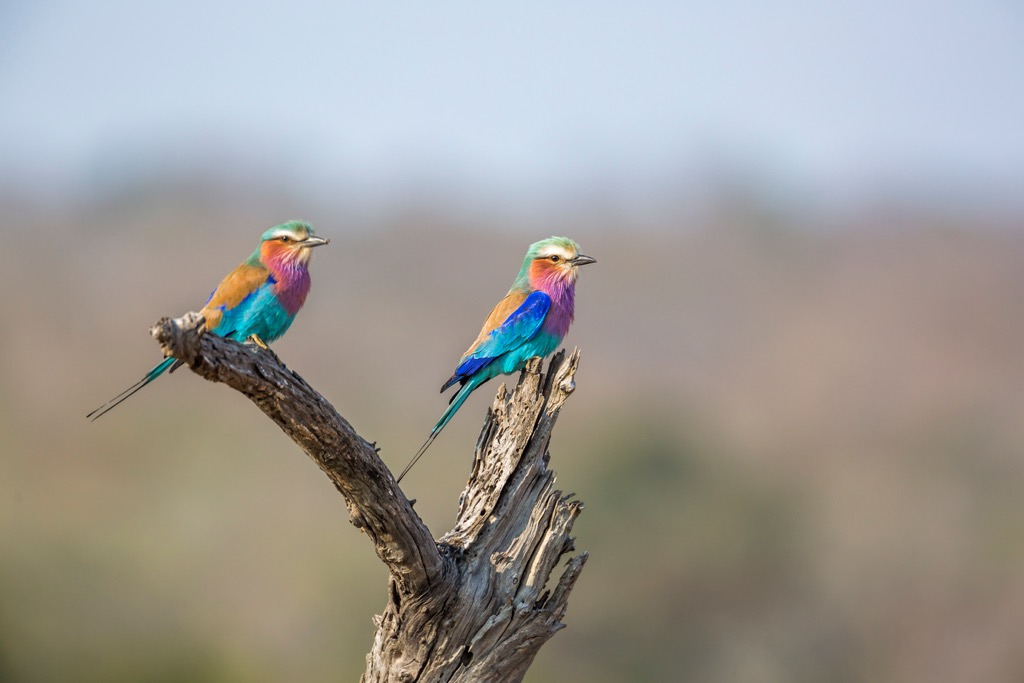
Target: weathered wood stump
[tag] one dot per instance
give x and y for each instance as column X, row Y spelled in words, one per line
column 479, row 603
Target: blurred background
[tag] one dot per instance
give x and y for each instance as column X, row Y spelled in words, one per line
column 799, row 422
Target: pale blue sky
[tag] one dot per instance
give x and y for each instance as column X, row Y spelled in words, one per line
column 531, row 96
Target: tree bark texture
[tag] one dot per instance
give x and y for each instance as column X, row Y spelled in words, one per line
column 477, row 604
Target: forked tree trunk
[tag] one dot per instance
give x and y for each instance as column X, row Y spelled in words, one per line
column 478, row 604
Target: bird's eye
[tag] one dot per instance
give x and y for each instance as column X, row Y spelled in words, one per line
column 554, row 258
column 285, row 238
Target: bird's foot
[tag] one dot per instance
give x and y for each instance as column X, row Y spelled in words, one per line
column 255, row 339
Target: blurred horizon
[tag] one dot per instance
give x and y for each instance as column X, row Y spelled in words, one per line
column 837, row 103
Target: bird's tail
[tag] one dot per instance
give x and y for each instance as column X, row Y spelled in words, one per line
column 127, row 393
column 457, row 400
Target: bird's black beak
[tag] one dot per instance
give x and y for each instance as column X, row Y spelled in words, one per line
column 582, row 260
column 313, row 241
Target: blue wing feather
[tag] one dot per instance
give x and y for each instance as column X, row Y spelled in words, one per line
column 264, row 316
column 233, row 318
column 521, row 326
column 258, row 313
column 504, row 350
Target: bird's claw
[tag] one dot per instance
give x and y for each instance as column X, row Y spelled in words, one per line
column 255, row 339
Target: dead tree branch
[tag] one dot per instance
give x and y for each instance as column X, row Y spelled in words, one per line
column 478, row 604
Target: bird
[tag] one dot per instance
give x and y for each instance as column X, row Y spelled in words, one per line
column 530, row 321
column 256, row 302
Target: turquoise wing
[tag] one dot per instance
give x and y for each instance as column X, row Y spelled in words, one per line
column 518, row 329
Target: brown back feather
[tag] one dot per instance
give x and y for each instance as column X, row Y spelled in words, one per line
column 238, row 284
column 498, row 316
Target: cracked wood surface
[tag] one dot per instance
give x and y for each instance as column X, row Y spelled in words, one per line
column 478, row 604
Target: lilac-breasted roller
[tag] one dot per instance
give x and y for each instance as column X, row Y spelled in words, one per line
column 530, row 321
column 257, row 301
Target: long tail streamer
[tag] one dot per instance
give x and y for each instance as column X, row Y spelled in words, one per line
column 130, row 391
column 457, row 400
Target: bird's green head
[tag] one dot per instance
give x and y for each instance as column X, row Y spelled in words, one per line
column 551, row 259
column 289, row 242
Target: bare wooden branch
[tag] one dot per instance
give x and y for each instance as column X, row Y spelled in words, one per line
column 375, row 503
column 478, row 604
column 513, row 527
